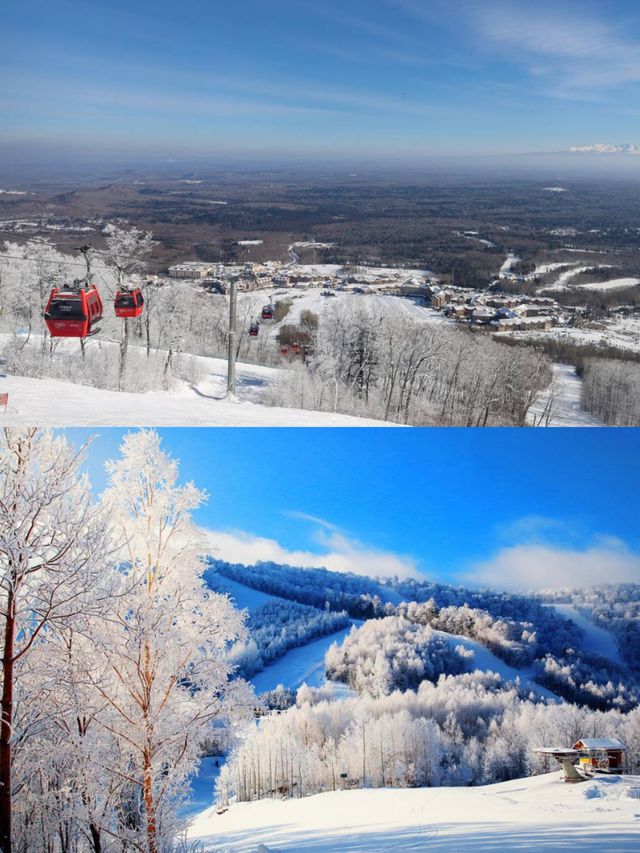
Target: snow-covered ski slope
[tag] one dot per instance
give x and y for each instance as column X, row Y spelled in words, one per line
column 303, row 665
column 243, row 597
column 560, row 405
column 50, row 402
column 485, row 660
column 596, row 639
column 536, row 815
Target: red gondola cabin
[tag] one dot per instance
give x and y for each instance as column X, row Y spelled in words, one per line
column 128, row 303
column 253, row 330
column 73, row 313
column 267, row 312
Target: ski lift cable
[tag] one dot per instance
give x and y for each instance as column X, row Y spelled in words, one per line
column 65, row 262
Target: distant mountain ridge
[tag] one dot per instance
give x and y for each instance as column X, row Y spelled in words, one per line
column 606, row 148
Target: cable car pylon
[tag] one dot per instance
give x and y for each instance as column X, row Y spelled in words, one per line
column 231, row 352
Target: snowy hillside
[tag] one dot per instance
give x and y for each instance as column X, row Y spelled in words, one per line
column 50, row 402
column 534, row 814
column 556, row 654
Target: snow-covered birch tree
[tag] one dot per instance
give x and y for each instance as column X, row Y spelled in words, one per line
column 163, row 672
column 52, row 546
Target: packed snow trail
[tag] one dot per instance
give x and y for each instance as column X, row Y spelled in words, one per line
column 596, row 639
column 510, row 261
column 560, row 405
column 536, row 814
column 485, row 660
column 302, row 665
column 243, row 597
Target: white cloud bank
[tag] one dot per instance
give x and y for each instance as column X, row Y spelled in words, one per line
column 339, row 553
column 539, row 566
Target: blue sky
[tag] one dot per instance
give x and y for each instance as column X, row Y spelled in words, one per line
column 335, row 78
column 508, row 508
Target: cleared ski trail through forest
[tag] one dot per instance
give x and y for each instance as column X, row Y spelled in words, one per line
column 560, row 405
column 596, row 639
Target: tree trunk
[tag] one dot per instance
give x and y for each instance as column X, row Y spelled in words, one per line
column 167, row 364
column 147, row 771
column 149, row 804
column 124, row 346
column 6, row 726
column 95, row 838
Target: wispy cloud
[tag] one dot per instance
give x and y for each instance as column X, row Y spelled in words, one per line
column 568, row 52
column 314, row 519
column 337, row 552
column 539, row 529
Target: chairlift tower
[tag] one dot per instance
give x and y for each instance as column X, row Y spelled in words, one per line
column 84, row 250
column 231, row 353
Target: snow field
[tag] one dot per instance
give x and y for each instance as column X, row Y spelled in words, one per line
column 51, row 403
column 535, row 814
column 613, row 284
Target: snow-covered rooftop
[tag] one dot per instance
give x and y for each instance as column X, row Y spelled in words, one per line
column 601, row 743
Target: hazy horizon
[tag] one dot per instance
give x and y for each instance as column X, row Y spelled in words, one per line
column 399, row 81
column 26, row 166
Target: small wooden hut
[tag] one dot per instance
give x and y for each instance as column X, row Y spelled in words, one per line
column 601, row 754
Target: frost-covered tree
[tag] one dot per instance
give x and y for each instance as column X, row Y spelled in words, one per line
column 126, row 248
column 162, row 671
column 368, row 361
column 392, row 653
column 469, row 729
column 52, row 548
column 27, row 273
column 74, row 795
